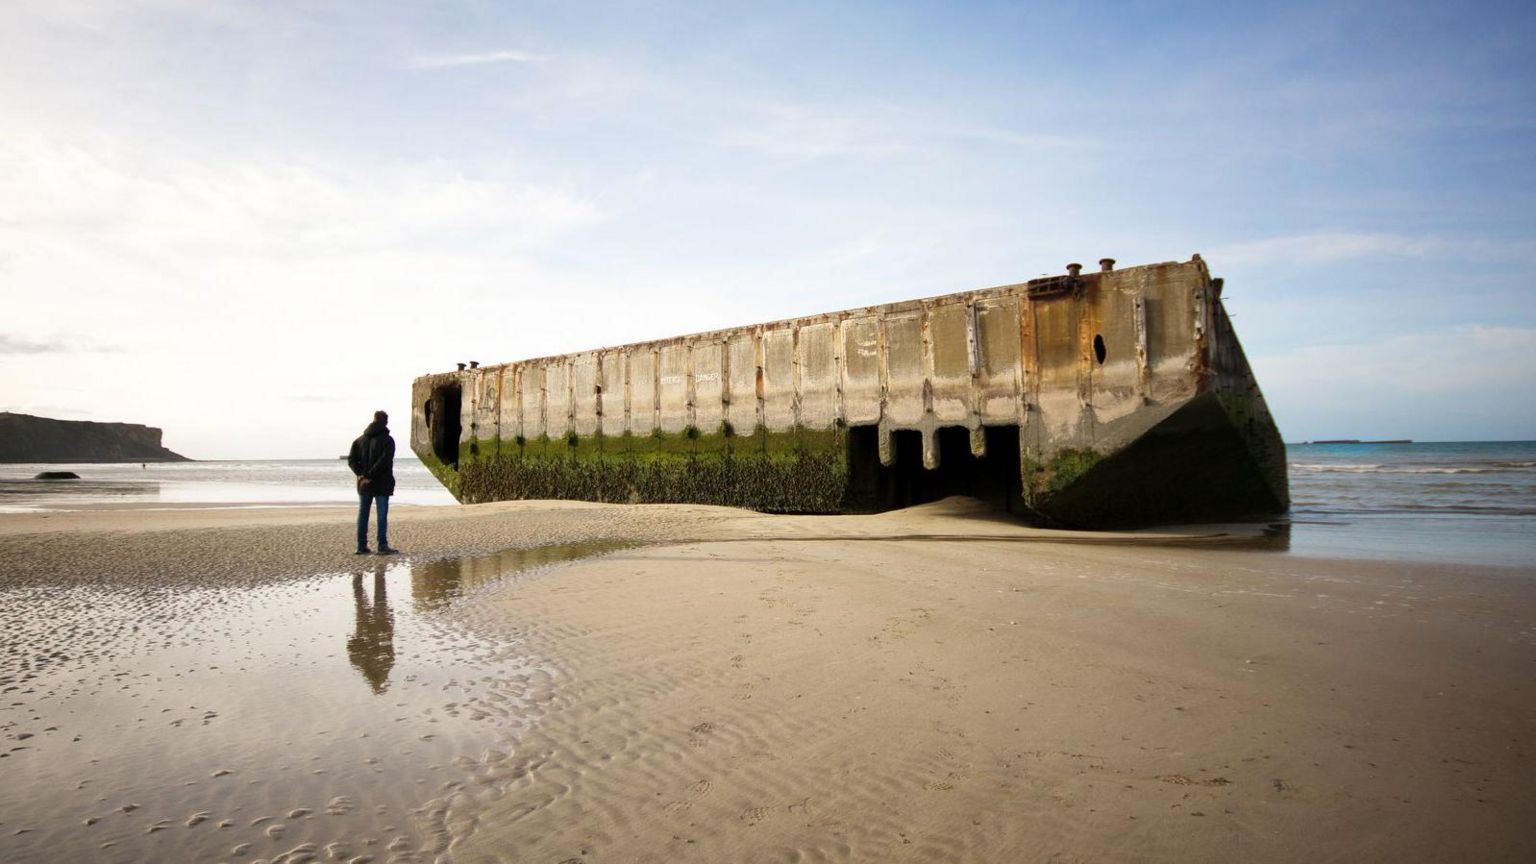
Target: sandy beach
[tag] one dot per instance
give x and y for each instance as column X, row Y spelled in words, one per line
column 934, row 684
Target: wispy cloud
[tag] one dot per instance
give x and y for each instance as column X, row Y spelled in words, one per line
column 445, row 61
column 1325, row 247
column 18, row 345
column 804, row 132
column 807, row 131
column 93, row 195
column 10, row 344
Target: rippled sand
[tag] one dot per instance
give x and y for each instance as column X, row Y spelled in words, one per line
column 929, row 685
column 180, row 704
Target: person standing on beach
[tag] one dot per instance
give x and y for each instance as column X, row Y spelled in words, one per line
column 373, row 461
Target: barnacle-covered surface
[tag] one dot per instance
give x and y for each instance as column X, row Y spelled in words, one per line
column 1079, row 378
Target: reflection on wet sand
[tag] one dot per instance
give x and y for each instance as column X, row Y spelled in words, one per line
column 371, row 647
column 31, row 491
column 1276, row 538
column 147, row 722
column 434, row 584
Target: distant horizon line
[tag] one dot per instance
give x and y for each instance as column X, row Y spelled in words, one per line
column 411, row 454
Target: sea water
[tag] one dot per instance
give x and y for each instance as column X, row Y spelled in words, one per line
column 1458, row 502
column 250, row 483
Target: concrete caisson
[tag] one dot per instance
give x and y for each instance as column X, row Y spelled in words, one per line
column 1109, row 398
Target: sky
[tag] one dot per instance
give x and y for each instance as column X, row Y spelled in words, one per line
column 253, row 223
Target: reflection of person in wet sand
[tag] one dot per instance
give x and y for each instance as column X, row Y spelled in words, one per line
column 372, row 648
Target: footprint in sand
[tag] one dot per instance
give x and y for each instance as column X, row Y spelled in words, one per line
column 697, row 739
column 754, row 815
column 1181, row 780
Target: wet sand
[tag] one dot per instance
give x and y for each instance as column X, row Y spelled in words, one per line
column 192, row 687
column 928, row 685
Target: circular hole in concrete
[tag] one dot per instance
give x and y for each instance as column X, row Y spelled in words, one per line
column 1098, row 348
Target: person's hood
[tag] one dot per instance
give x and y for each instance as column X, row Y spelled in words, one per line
column 376, row 429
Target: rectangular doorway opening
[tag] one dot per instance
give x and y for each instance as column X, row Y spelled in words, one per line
column 443, row 425
column 993, row 477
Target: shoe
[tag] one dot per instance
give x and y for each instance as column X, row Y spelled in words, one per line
column 363, row 551
column 386, row 550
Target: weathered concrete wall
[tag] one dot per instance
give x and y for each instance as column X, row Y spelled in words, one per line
column 1081, row 364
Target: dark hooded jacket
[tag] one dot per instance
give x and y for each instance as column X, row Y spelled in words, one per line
column 373, row 456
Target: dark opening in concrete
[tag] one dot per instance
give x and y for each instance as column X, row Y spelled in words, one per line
column 994, row 478
column 442, row 415
column 1098, row 347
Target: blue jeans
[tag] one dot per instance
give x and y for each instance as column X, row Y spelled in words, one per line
column 364, row 503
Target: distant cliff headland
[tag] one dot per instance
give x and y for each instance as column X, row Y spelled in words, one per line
column 25, row 438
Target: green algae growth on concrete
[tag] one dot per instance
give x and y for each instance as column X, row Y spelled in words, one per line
column 801, row 471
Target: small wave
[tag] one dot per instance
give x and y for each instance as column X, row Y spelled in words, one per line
column 1490, row 468
column 1480, row 487
column 1419, row 510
